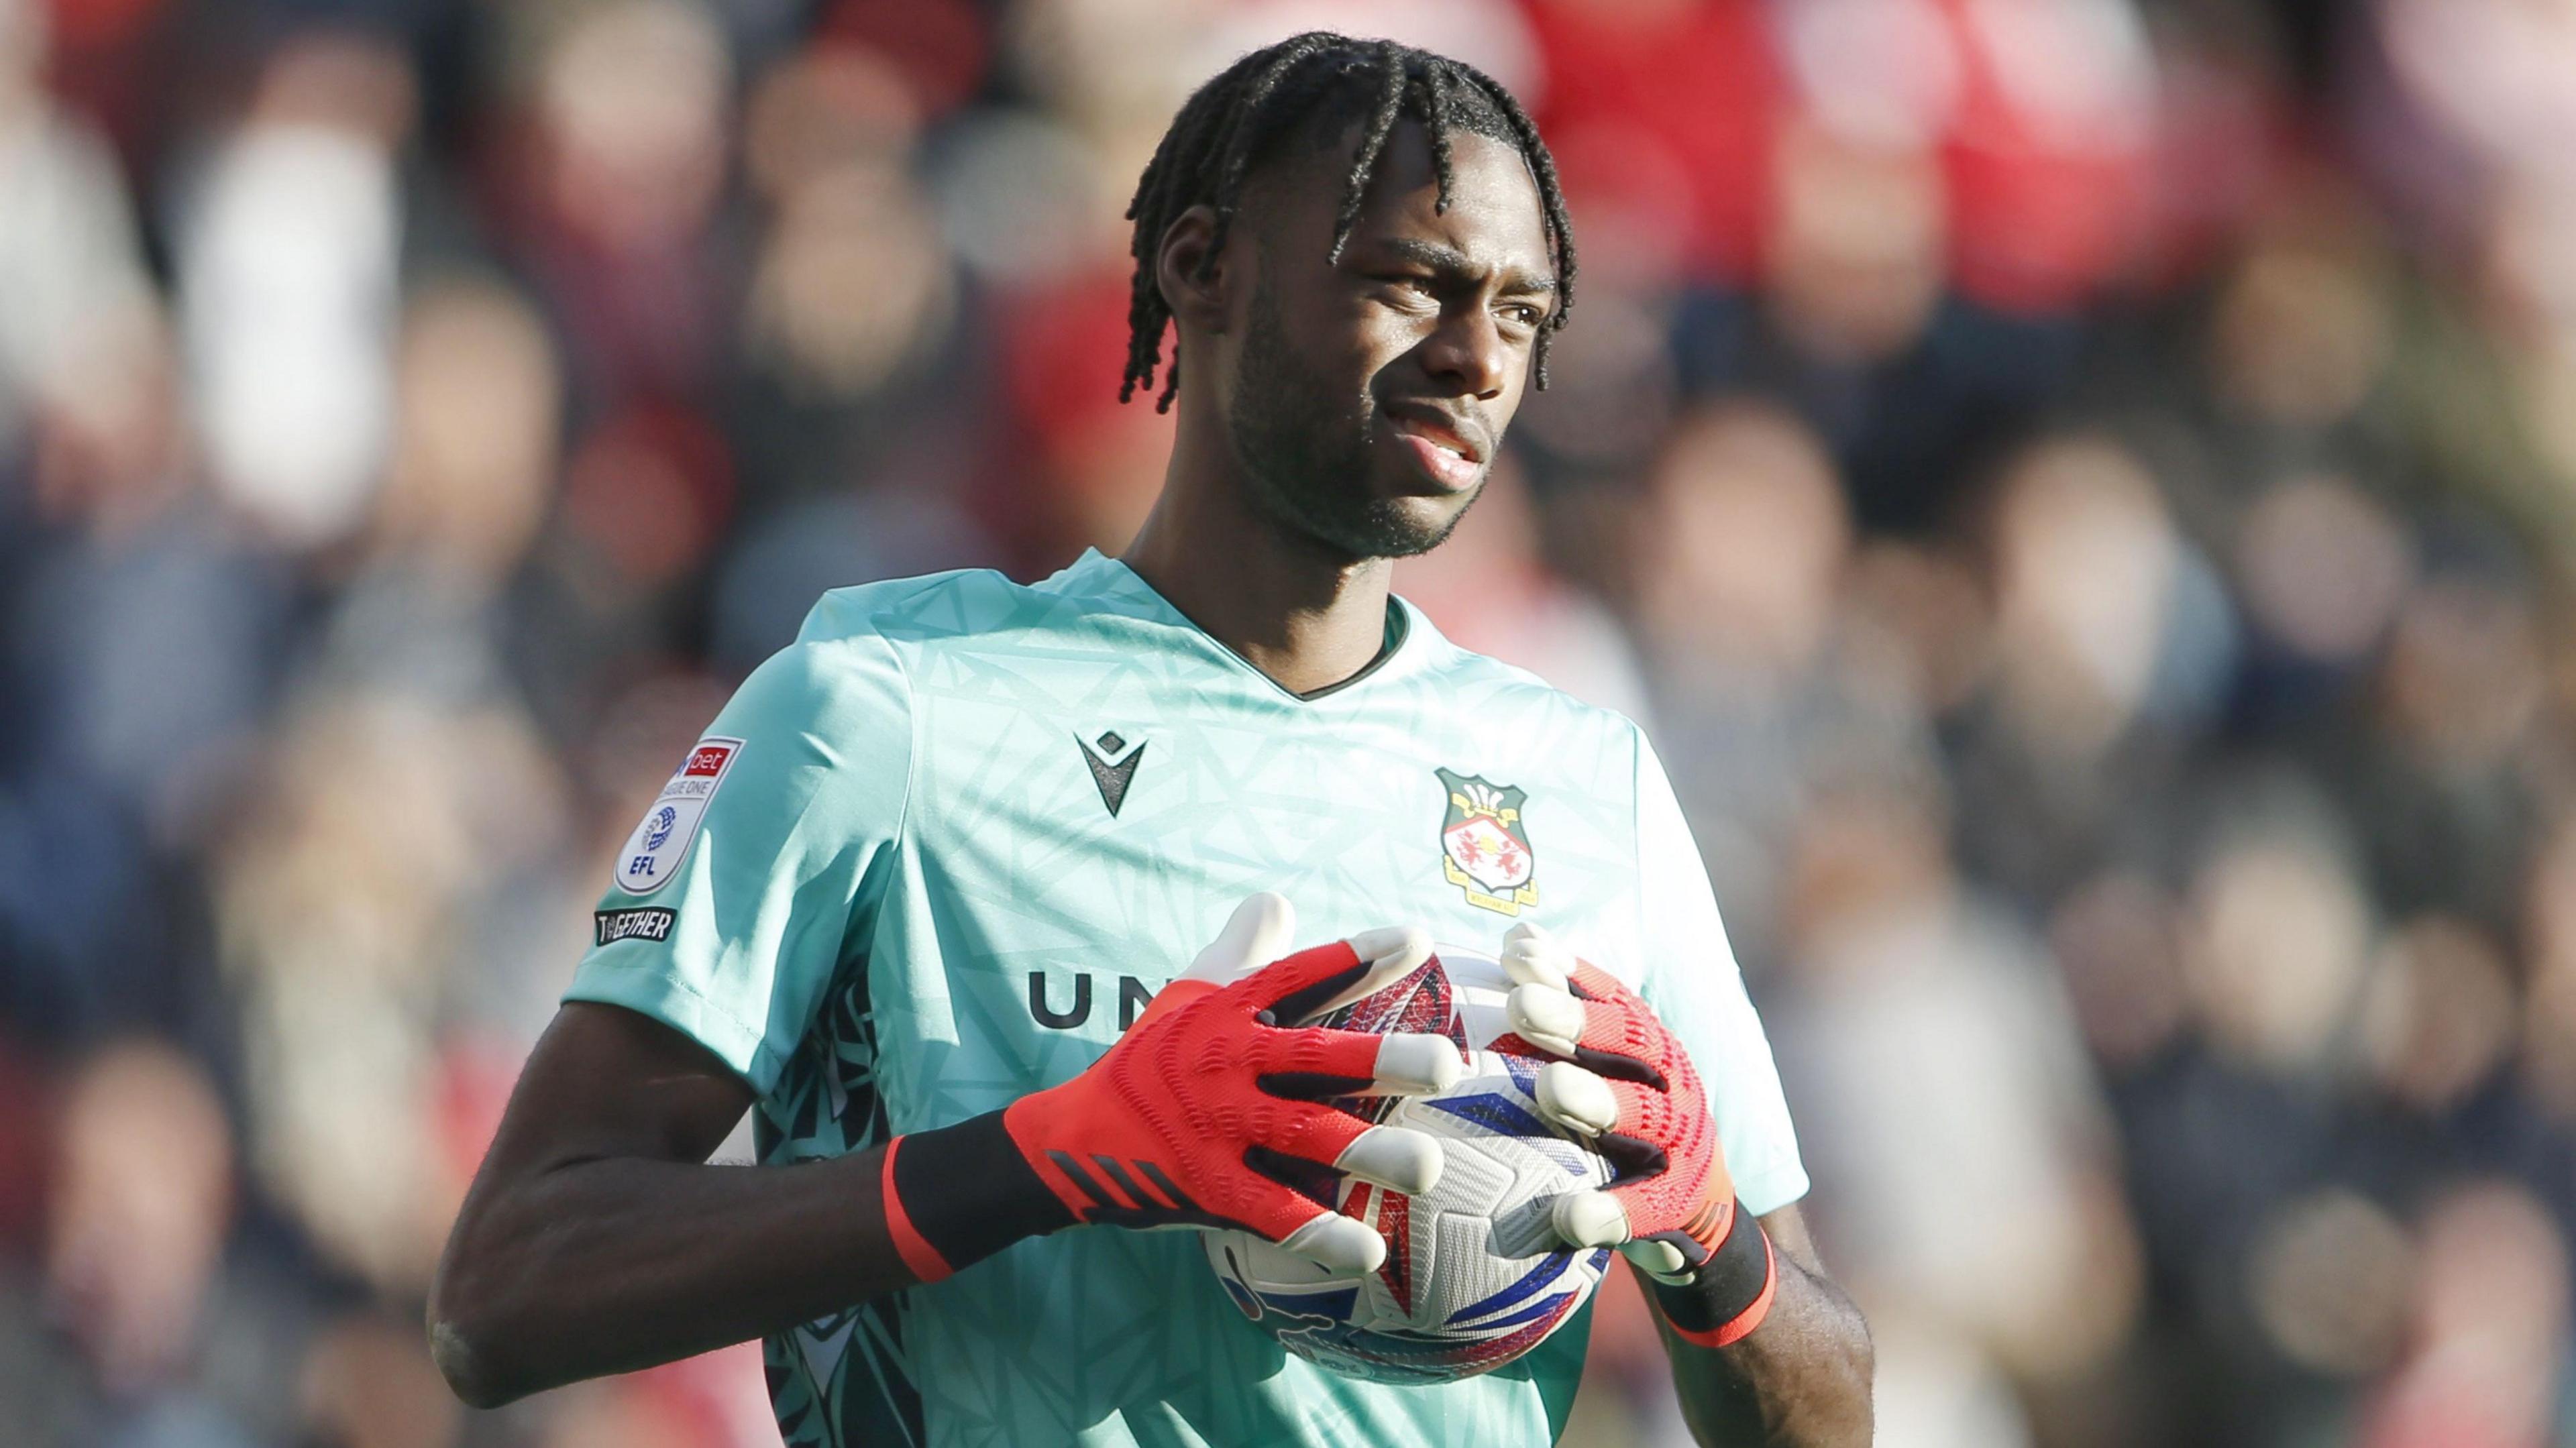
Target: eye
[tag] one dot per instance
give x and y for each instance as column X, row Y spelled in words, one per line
column 1524, row 315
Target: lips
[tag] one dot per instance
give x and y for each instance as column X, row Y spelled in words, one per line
column 1452, row 470
column 1437, row 425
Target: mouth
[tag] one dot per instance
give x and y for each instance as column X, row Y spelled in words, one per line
column 1452, row 454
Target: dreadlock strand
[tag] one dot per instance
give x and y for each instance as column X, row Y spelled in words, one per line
column 1167, row 175
column 1245, row 129
column 1437, row 111
column 1146, row 313
column 1390, row 104
column 1179, row 157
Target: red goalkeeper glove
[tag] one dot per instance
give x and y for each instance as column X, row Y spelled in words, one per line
column 1624, row 1083
column 1206, row 1113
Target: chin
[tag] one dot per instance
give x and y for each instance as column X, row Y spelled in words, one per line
column 1400, row 526
column 1432, row 520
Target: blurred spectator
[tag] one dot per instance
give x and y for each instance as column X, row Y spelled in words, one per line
column 1489, row 590
column 1936, row 1061
column 631, row 106
column 287, row 284
column 143, row 1196
column 2491, row 1329
column 1766, row 699
column 168, row 1343
column 82, row 316
column 385, row 830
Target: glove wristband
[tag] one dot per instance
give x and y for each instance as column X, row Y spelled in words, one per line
column 1730, row 1294
column 917, row 1253
column 958, row 1194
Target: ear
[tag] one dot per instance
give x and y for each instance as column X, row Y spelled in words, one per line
column 1197, row 299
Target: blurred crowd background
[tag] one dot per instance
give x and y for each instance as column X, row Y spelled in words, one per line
column 2083, row 491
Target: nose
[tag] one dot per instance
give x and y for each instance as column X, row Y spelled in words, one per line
column 1468, row 352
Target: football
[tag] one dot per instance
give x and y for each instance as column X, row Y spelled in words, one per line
column 1473, row 1277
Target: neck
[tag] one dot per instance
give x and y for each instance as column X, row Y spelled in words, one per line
column 1293, row 608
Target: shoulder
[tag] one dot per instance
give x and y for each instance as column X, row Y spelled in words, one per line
column 873, row 642
column 911, row 610
column 969, row 607
column 875, row 628
column 848, row 662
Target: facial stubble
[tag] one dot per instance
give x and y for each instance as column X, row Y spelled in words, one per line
column 1307, row 454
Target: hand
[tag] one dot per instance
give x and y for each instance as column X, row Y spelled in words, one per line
column 1624, row 1083
column 1207, row 1113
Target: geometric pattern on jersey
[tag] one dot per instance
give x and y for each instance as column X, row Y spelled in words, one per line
column 908, row 903
column 841, row 1381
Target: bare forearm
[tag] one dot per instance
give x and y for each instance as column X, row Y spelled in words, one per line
column 1800, row 1379
column 609, row 1265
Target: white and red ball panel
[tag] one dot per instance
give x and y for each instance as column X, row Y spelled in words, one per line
column 1473, row 1278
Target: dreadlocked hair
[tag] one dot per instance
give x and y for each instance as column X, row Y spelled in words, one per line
column 1231, row 123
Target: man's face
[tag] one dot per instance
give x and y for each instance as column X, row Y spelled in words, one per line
column 1368, row 397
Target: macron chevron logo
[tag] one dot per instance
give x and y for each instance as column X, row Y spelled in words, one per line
column 1112, row 758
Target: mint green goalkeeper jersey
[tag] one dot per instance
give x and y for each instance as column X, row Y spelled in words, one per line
column 940, row 851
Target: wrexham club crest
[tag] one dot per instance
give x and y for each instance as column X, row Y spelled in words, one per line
column 1485, row 847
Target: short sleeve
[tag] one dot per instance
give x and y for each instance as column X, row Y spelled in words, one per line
column 1690, row 978
column 733, row 903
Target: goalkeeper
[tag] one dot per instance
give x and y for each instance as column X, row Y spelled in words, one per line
column 916, row 901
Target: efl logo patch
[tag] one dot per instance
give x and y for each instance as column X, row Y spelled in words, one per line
column 654, row 852
column 648, row 924
column 1485, row 847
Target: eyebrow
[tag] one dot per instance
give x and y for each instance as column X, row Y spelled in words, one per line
column 1449, row 261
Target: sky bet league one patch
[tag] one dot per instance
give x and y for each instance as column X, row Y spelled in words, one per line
column 654, row 852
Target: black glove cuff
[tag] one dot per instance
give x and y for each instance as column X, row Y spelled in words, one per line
column 969, row 1193
column 1730, row 1293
